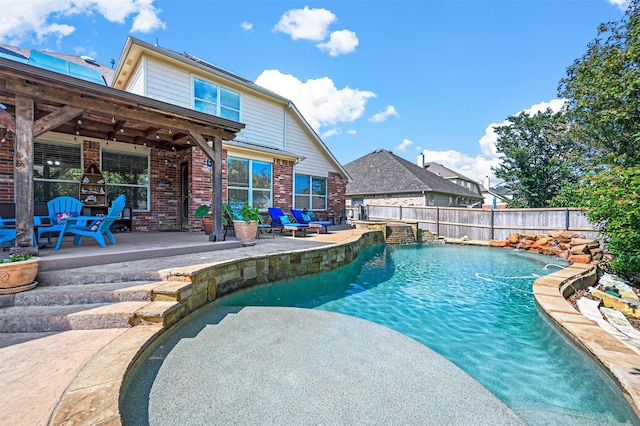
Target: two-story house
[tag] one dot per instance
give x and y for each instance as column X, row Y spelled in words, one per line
column 164, row 159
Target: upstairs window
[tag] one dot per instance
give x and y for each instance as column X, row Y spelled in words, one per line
column 216, row 100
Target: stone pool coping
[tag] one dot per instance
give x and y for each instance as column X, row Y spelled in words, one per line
column 618, row 360
column 93, row 395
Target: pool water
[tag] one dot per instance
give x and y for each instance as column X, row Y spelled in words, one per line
column 474, row 306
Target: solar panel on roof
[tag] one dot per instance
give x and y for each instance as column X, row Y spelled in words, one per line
column 78, row 71
column 61, row 66
column 13, row 56
column 50, row 63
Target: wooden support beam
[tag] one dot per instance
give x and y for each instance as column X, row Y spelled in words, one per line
column 55, row 119
column 23, row 175
column 7, row 120
column 215, row 154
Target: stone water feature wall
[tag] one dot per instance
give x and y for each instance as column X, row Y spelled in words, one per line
column 400, row 233
column 568, row 245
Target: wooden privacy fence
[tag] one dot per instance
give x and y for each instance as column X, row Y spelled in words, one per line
column 481, row 224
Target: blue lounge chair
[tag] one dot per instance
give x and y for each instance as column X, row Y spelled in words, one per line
column 7, row 234
column 59, row 209
column 282, row 221
column 310, row 219
column 96, row 227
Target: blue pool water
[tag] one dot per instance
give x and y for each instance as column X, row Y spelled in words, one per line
column 474, row 306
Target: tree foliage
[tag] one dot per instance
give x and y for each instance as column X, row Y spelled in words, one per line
column 613, row 201
column 602, row 89
column 603, row 93
column 533, row 164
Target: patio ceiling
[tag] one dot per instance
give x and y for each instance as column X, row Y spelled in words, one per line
column 76, row 107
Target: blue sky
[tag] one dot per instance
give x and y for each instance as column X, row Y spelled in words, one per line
column 413, row 76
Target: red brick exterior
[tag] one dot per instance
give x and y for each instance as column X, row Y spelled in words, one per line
column 336, row 192
column 7, row 180
column 166, row 201
column 283, row 184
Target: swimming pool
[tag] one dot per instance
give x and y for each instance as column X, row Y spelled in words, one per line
column 474, row 306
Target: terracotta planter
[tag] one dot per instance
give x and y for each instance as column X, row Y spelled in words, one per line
column 18, row 276
column 207, row 224
column 245, row 231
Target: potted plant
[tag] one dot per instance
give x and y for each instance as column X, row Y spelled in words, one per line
column 18, row 273
column 204, row 212
column 245, row 223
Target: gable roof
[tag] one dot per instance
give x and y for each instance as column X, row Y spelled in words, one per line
column 382, row 172
column 134, row 48
column 445, row 172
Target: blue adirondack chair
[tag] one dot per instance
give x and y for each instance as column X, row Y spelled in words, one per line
column 7, row 234
column 305, row 217
column 96, row 227
column 59, row 209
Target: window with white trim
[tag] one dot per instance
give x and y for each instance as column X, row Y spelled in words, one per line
column 216, row 100
column 127, row 173
column 57, row 169
column 249, row 181
column 310, row 192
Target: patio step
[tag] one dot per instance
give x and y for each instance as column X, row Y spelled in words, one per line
column 32, row 319
column 84, row 294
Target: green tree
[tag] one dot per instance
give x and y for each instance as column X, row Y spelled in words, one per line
column 533, row 162
column 613, row 201
column 603, row 93
column 602, row 89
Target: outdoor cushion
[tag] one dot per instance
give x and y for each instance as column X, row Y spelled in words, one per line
column 285, row 220
column 306, row 217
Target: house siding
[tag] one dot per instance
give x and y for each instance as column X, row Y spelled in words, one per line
column 168, row 84
column 298, row 141
column 136, row 84
column 264, row 122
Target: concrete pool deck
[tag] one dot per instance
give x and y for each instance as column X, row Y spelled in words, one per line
column 76, row 375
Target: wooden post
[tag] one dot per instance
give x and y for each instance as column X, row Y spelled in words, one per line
column 24, row 175
column 218, row 230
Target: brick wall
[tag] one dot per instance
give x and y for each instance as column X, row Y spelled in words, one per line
column 6, row 171
column 336, row 192
column 282, row 184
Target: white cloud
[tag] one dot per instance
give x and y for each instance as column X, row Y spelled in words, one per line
column 383, row 115
column 479, row 167
column 306, row 24
column 622, row 4
column 318, row 100
column 402, row 147
column 331, row 132
column 340, row 42
column 246, row 26
column 352, row 132
column 39, row 19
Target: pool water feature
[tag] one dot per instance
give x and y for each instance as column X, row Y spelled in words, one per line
column 474, row 306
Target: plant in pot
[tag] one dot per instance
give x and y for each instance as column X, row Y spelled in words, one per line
column 204, row 212
column 245, row 223
column 18, row 273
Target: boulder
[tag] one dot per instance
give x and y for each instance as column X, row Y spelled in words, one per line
column 581, row 249
column 580, row 258
column 514, row 238
column 497, row 243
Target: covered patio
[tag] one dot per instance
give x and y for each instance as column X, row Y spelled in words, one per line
column 34, row 101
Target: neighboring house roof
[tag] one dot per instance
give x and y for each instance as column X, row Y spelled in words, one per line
column 82, row 67
column 134, row 48
column 446, row 173
column 382, row 172
column 500, row 192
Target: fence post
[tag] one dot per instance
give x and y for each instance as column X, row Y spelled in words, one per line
column 400, row 212
column 437, row 220
column 566, row 219
column 492, row 222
